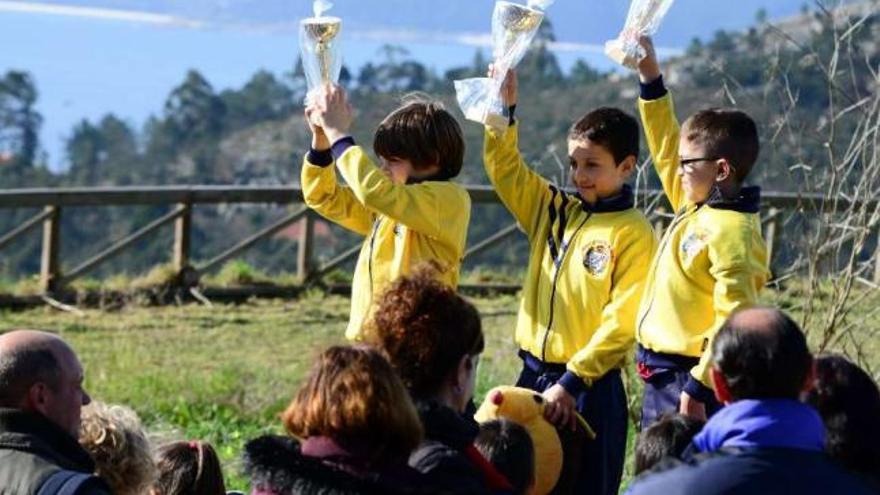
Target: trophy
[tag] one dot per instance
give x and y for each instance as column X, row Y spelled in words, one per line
column 643, row 20
column 513, row 28
column 321, row 57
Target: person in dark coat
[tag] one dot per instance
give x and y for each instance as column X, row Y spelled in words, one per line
column 433, row 339
column 41, row 399
column 354, row 427
column 848, row 400
column 764, row 440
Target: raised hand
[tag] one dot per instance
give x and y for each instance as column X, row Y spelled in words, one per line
column 319, row 138
column 333, row 113
column 510, row 87
column 649, row 68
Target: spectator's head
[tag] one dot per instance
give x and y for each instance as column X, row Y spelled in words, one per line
column 509, row 448
column 760, row 353
column 353, row 396
column 40, row 373
column 188, row 468
column 603, row 147
column 420, row 140
column 432, row 337
column 669, row 436
column 848, row 400
column 114, row 437
column 717, row 145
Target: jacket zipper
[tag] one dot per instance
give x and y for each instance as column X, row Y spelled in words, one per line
column 558, row 262
column 370, row 260
column 668, row 235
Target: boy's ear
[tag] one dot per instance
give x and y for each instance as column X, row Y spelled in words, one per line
column 627, row 166
column 725, row 170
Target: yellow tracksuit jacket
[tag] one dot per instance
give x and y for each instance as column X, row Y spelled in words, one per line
column 404, row 225
column 711, row 260
column 586, row 271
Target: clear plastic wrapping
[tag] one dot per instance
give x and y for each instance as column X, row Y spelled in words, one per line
column 644, row 19
column 513, row 28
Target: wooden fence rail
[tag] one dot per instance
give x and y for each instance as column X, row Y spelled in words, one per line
column 184, row 198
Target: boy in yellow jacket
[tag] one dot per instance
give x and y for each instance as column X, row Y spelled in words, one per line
column 711, row 260
column 408, row 210
column 589, row 255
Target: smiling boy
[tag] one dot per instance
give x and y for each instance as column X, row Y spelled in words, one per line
column 711, row 260
column 589, row 254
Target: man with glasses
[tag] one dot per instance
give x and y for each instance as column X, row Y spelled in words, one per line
column 711, row 260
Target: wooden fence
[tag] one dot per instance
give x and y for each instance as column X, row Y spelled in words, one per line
column 53, row 201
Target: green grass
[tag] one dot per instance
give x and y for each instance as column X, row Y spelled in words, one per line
column 224, row 373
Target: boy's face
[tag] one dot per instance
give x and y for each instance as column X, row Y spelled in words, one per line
column 697, row 176
column 399, row 170
column 594, row 172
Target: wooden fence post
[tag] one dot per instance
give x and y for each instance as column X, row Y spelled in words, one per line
column 182, row 237
column 49, row 267
column 306, row 247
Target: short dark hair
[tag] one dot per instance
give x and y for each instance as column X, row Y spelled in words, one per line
column 509, row 448
column 425, row 328
column 769, row 360
column 423, row 132
column 22, row 368
column 669, row 436
column 726, row 133
column 848, row 400
column 611, row 128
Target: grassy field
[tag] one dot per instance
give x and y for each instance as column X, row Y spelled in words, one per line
column 224, row 373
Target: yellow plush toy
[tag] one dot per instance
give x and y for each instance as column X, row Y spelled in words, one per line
column 526, row 407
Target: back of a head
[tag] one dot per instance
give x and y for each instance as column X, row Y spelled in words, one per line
column 725, row 133
column 613, row 129
column 762, row 354
column 423, row 132
column 26, row 358
column 353, row 396
column 509, row 448
column 848, row 400
column 188, row 468
column 669, row 436
column 425, row 328
column 117, row 442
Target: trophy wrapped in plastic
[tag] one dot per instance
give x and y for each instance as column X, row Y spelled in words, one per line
column 319, row 47
column 644, row 19
column 513, row 28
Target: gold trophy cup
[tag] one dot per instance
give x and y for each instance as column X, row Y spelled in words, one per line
column 515, row 20
column 321, row 31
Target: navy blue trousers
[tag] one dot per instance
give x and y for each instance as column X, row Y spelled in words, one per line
column 663, row 395
column 603, row 405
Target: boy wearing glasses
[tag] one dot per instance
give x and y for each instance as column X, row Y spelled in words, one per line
column 712, row 258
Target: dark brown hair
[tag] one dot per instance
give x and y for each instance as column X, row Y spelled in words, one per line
column 725, row 133
column 425, row 328
column 189, row 468
column 669, row 436
column 423, row 132
column 509, row 448
column 611, row 128
column 353, row 396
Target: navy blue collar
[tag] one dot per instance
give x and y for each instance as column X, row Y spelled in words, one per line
column 766, row 423
column 621, row 201
column 748, row 201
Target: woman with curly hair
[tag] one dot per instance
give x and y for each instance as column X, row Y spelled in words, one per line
column 355, row 427
column 115, row 439
column 434, row 339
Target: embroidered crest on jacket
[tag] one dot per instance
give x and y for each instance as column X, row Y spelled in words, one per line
column 597, row 257
column 692, row 244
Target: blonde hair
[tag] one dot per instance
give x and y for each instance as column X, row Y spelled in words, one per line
column 123, row 456
column 353, row 395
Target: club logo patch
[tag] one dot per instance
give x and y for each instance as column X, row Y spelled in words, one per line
column 692, row 244
column 597, row 257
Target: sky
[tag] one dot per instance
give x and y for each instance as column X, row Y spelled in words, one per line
column 92, row 57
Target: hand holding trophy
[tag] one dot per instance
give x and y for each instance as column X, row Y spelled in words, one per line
column 644, row 19
column 319, row 47
column 513, row 28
